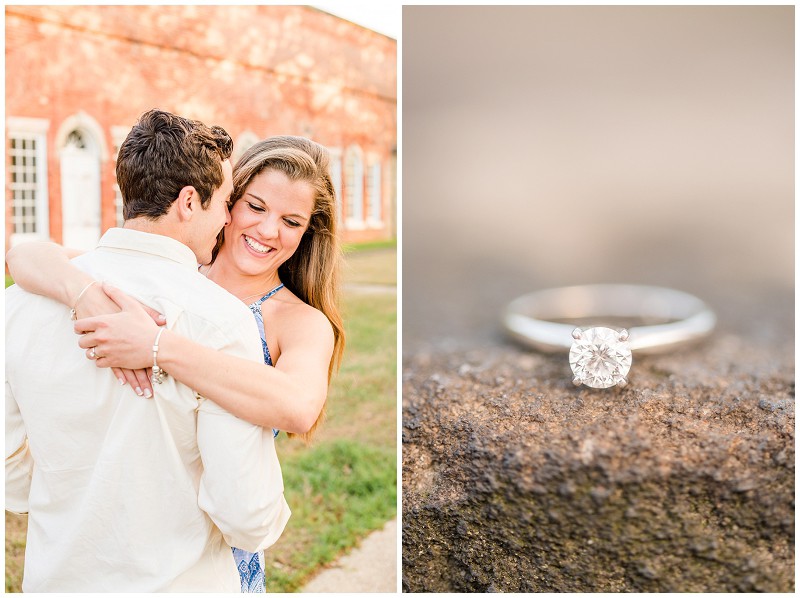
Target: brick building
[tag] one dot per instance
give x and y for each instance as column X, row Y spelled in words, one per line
column 78, row 77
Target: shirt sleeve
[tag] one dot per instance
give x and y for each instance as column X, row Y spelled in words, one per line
column 19, row 464
column 241, row 487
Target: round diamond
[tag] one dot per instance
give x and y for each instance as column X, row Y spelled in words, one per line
column 599, row 358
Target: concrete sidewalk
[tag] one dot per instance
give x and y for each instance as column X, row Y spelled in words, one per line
column 370, row 567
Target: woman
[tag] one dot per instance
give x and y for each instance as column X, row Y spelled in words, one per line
column 279, row 254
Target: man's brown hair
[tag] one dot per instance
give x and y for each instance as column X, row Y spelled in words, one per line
column 164, row 153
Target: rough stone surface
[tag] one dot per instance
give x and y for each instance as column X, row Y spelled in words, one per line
column 514, row 480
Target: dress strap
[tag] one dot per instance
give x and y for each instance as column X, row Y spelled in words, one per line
column 255, row 308
column 267, row 296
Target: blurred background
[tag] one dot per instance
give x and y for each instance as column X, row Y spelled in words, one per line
column 547, row 146
column 77, row 79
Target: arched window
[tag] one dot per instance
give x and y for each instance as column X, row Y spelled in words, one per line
column 76, row 139
column 81, row 144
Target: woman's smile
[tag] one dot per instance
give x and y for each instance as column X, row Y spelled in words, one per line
column 268, row 222
column 259, row 248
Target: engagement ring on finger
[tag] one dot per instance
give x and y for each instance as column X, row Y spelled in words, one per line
column 601, row 325
column 92, row 354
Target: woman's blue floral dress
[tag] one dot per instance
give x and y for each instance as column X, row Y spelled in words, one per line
column 251, row 564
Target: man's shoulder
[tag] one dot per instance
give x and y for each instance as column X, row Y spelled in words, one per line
column 17, row 297
column 170, row 286
column 209, row 301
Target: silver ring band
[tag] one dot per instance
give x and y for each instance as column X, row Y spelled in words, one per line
column 600, row 352
column 683, row 318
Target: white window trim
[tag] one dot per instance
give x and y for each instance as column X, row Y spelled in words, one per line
column 118, row 135
column 38, row 127
column 337, row 166
column 119, row 212
column 81, row 121
column 373, row 163
column 351, row 222
column 24, row 124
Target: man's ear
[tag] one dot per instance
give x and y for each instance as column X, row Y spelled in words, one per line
column 187, row 204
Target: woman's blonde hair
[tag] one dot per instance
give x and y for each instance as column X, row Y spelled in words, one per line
column 312, row 273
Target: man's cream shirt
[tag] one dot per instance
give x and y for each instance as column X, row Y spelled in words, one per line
column 125, row 493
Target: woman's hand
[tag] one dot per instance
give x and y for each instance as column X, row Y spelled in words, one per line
column 95, row 302
column 123, row 340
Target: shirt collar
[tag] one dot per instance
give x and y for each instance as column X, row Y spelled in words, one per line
column 133, row 240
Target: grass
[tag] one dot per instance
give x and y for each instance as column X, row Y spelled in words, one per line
column 375, row 266
column 339, row 492
column 343, row 486
column 16, row 528
column 354, row 248
column 362, row 402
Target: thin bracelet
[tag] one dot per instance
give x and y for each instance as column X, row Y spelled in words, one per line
column 73, row 313
column 158, row 373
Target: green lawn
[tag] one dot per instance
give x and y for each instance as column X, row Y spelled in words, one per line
column 344, row 485
column 351, row 248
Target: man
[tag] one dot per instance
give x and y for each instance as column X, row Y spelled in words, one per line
column 125, row 494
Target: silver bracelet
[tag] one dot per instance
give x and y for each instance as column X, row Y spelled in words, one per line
column 73, row 315
column 158, row 373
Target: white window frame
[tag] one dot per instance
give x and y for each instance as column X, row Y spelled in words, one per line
column 119, row 212
column 118, row 136
column 335, row 154
column 35, row 129
column 374, row 192
column 354, row 188
column 94, row 138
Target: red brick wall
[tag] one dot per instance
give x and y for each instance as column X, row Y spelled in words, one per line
column 267, row 69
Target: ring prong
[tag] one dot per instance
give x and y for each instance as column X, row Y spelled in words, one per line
column 576, row 334
column 577, row 381
column 622, row 382
column 623, row 335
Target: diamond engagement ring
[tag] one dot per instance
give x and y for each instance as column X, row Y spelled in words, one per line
column 623, row 318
